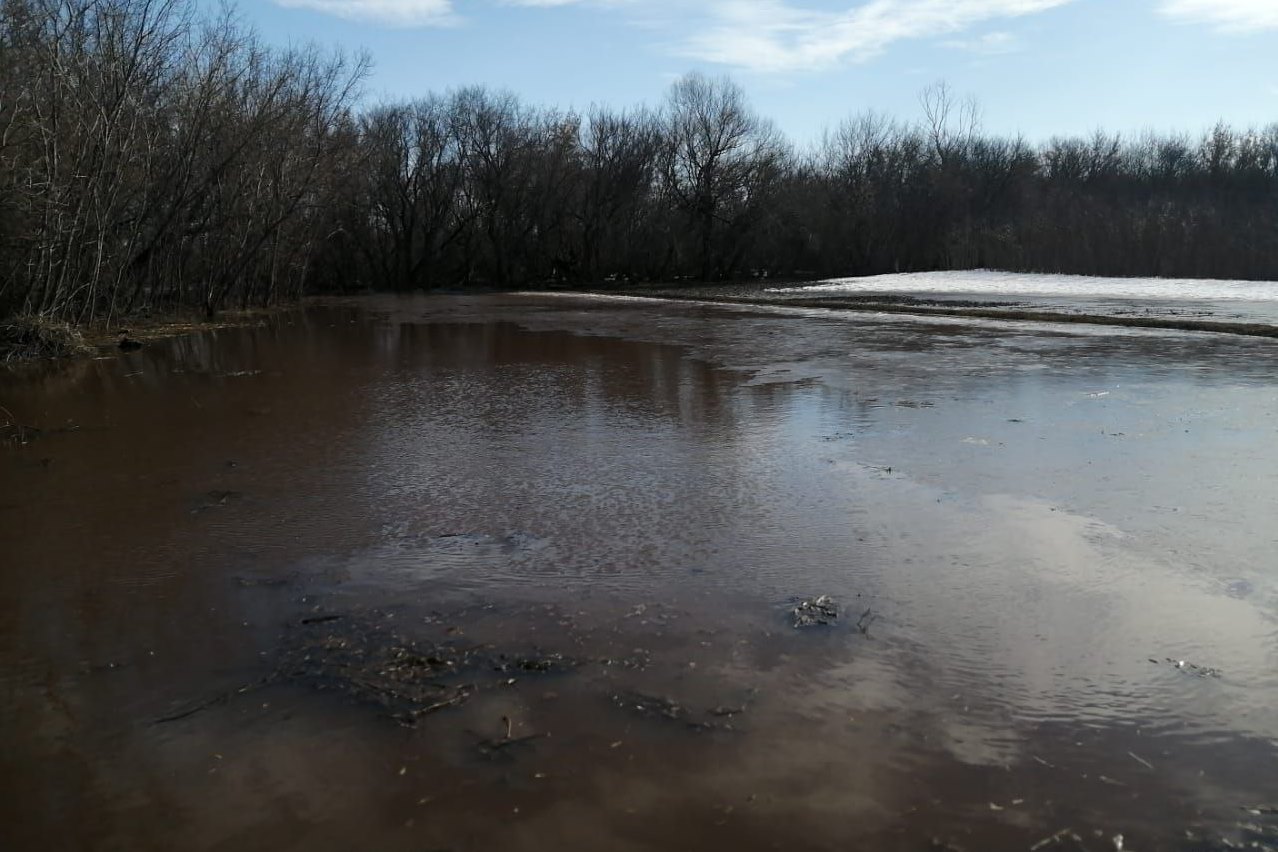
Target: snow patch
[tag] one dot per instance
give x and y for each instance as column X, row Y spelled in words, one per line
column 986, row 282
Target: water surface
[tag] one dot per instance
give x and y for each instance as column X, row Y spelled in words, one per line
column 1059, row 542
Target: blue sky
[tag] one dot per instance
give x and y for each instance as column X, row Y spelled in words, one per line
column 1038, row 67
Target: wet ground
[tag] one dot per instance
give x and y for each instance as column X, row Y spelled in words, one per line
column 521, row 573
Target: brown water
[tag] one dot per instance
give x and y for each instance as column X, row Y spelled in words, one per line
column 1037, row 519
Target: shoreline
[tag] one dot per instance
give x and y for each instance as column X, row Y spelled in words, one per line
column 25, row 340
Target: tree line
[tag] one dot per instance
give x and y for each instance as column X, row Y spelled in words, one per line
column 155, row 158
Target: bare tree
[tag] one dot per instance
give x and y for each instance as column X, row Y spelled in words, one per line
column 721, row 160
column 619, row 157
column 153, row 156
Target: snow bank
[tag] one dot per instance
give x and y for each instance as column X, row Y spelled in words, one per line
column 985, row 282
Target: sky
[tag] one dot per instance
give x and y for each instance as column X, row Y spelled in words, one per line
column 1039, row 68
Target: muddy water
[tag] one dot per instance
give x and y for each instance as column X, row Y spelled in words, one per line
column 1034, row 526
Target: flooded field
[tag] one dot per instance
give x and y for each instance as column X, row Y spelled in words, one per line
column 521, row 573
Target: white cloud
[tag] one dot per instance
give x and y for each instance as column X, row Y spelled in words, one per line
column 398, row 13
column 1231, row 16
column 772, row 35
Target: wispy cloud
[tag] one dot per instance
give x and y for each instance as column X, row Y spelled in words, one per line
column 772, row 35
column 1230, row 16
column 397, row 13
column 420, row 13
column 755, row 35
column 988, row 44
column 554, row 3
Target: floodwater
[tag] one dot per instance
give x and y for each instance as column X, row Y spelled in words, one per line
column 1053, row 549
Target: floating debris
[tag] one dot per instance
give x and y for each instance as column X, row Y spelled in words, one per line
column 192, row 708
column 638, row 660
column 726, row 711
column 650, row 706
column 407, row 678
column 543, row 664
column 1142, row 761
column 814, row 612
column 11, row 431
column 501, row 748
column 17, row 433
column 215, row 499
column 1055, row 838
column 660, row 707
column 1188, row 667
column 264, row 582
column 1253, row 836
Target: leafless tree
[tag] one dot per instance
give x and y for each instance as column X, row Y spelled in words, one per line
column 721, row 160
column 154, row 156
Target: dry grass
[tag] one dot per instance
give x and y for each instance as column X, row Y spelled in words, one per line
column 30, row 337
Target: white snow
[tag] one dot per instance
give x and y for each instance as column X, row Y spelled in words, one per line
column 1011, row 284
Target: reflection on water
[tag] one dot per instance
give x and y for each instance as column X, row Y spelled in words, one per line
column 1064, row 538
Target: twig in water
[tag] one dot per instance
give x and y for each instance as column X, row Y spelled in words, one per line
column 492, row 748
column 1142, row 761
column 221, row 698
column 500, row 744
column 462, row 693
column 1047, row 841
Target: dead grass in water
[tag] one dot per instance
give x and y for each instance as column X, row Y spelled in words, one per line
column 145, row 328
column 31, row 337
column 34, row 338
